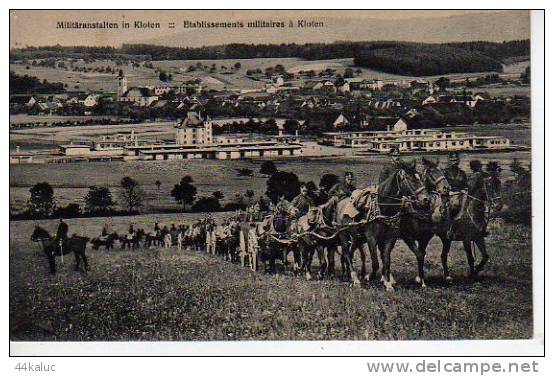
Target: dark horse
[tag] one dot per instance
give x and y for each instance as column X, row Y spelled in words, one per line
column 51, row 247
column 465, row 220
column 132, row 241
column 107, row 241
column 402, row 192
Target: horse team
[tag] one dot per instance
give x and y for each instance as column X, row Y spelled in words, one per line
column 408, row 205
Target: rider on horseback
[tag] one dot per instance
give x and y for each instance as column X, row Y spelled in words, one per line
column 303, row 202
column 343, row 189
column 454, row 175
column 61, row 234
column 395, row 164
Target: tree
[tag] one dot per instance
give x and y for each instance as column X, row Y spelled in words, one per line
column 284, row 184
column 244, row 172
column 99, row 200
column 268, row 168
column 218, row 195
column 206, row 204
column 158, row 184
column 328, row 181
column 69, row 211
column 348, row 73
column 131, row 194
column 184, row 192
column 163, row 76
column 443, row 83
column 237, row 65
column 42, row 199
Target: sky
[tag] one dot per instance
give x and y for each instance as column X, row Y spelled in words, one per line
column 38, row 28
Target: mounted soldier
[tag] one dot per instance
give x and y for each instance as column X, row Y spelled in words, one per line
column 61, row 234
column 395, row 164
column 345, row 188
column 303, row 202
column 454, row 175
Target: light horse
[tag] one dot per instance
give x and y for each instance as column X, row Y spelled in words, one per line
column 402, row 192
column 316, row 231
column 417, row 228
column 273, row 239
column 51, row 247
column 467, row 219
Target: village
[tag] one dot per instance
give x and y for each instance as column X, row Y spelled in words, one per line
column 291, row 113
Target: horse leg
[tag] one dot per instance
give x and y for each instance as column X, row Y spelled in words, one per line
column 85, row 261
column 386, row 250
column 420, row 256
column 444, row 257
column 348, row 251
column 480, row 243
column 77, row 261
column 363, row 257
column 470, row 258
column 372, row 247
column 51, row 262
column 331, row 250
column 321, row 255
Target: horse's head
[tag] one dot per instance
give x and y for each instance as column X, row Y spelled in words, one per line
column 410, row 185
column 433, row 177
column 40, row 234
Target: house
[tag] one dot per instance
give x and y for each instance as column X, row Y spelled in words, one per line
column 341, row 121
column 344, row 88
column 278, row 81
column 91, row 100
column 139, row 96
column 26, row 100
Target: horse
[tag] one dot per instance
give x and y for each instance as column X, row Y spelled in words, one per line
column 51, row 247
column 231, row 241
column 467, row 214
column 401, row 192
column 132, row 241
column 417, row 228
column 153, row 239
column 107, row 241
column 313, row 232
column 274, row 243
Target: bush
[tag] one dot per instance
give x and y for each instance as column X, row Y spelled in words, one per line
column 268, row 168
column 206, row 204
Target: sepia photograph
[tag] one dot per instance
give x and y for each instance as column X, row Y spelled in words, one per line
column 207, row 176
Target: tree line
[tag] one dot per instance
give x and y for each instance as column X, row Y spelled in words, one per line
column 426, row 60
column 99, row 201
column 308, row 51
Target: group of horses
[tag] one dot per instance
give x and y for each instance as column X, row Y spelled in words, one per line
column 409, row 205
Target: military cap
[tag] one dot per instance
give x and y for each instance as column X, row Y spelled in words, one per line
column 394, row 150
column 453, row 156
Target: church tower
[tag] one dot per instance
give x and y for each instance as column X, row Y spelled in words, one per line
column 121, row 84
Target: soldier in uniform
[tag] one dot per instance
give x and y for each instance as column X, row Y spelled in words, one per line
column 253, row 246
column 454, row 175
column 395, row 164
column 303, row 201
column 61, row 234
column 343, row 189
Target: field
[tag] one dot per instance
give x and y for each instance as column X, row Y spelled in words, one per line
column 219, row 80
column 166, row 295
column 71, row 181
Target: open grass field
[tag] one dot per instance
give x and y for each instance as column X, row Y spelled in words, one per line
column 71, row 181
column 166, row 295
column 219, row 80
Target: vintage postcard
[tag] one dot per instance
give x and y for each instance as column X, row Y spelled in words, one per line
column 236, row 176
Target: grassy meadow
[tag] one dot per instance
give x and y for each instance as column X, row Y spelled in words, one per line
column 163, row 294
